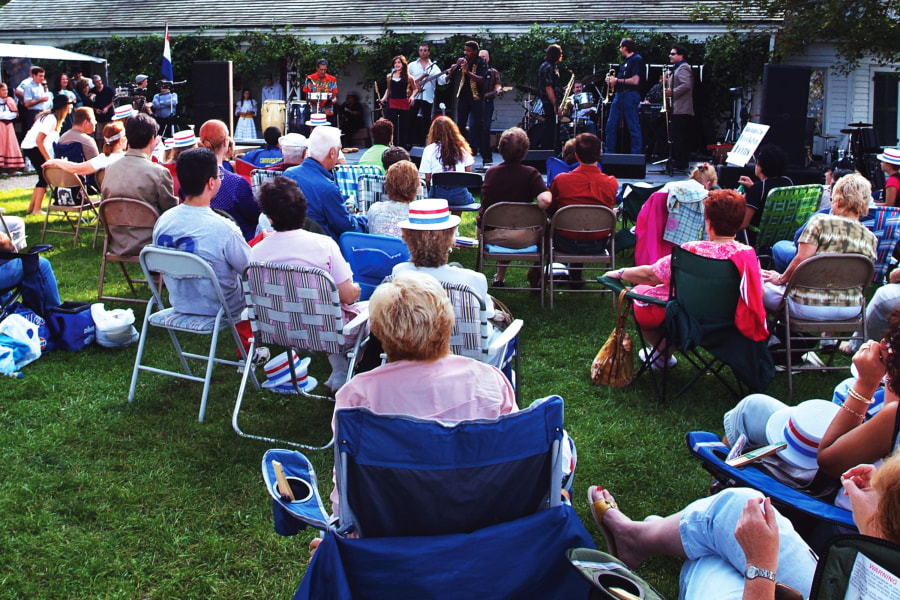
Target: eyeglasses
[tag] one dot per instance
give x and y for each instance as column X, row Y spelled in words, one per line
column 221, row 174
column 673, row 53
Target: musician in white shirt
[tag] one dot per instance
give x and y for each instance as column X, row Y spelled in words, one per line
column 420, row 70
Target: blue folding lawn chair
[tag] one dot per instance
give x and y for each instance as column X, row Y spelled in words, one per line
column 467, row 510
column 372, row 258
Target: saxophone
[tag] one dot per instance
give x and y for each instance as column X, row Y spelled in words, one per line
column 566, row 101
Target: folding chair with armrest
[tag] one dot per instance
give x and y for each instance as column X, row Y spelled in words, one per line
column 786, row 210
column 297, row 308
column 347, row 177
column 514, row 218
column 30, row 265
column 372, row 258
column 885, row 224
column 57, row 178
column 124, row 221
column 419, row 494
column 825, row 272
column 583, row 219
column 184, row 265
column 703, row 296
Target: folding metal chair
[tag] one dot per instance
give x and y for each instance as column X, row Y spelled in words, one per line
column 885, row 224
column 584, row 219
column 527, row 219
column 372, row 258
column 830, row 272
column 184, row 265
column 297, row 308
column 787, row 209
column 455, row 179
column 259, row 177
column 74, row 214
column 369, row 189
column 347, row 176
column 124, row 221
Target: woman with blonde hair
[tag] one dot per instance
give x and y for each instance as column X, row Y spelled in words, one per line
column 447, row 150
column 839, row 232
column 399, row 90
column 38, row 146
column 114, row 145
column 401, row 185
column 705, row 175
column 235, row 195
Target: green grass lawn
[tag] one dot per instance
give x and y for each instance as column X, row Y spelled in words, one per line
column 105, row 499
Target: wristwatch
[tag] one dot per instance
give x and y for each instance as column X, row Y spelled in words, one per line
column 753, row 572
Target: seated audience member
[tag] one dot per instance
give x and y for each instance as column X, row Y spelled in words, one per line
column 736, row 543
column 412, row 317
column 194, row 227
column 262, row 158
column 293, row 149
column 135, row 175
column 82, row 132
column 586, row 184
column 235, row 195
column 511, row 181
column 382, row 134
column 285, row 206
column 850, row 439
column 890, row 164
column 401, row 185
column 39, row 290
column 325, row 204
column 771, row 162
column 839, row 232
column 447, row 150
column 684, row 206
column 393, row 155
column 568, row 152
column 183, row 141
column 114, row 145
column 352, row 117
column 723, row 214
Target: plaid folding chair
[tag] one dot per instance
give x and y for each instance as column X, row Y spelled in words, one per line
column 347, row 176
column 787, row 209
column 259, row 177
column 369, row 189
column 885, row 224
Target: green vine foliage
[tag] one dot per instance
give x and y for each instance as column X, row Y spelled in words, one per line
column 730, row 60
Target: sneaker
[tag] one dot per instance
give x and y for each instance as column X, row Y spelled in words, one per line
column 657, row 364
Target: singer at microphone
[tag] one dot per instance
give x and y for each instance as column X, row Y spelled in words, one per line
column 399, row 91
column 324, row 86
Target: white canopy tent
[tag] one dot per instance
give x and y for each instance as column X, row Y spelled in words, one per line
column 46, row 53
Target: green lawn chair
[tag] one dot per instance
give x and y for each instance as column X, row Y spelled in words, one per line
column 787, row 209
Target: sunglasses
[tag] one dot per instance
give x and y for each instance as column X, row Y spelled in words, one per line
column 673, row 53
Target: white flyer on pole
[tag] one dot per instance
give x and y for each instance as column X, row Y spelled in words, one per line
column 746, row 145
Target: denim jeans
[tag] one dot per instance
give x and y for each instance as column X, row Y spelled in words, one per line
column 39, row 290
column 783, row 252
column 625, row 104
column 453, row 196
column 715, row 561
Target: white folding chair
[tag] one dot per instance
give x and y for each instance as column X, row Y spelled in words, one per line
column 177, row 264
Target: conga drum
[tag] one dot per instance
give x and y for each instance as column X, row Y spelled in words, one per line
column 273, row 114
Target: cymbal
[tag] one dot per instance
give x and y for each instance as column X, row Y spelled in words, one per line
column 860, row 124
column 528, row 90
column 593, row 78
column 827, row 136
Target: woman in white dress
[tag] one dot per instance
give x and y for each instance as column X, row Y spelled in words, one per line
column 245, row 110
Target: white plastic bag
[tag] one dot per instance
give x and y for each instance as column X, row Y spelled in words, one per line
column 115, row 328
column 26, row 343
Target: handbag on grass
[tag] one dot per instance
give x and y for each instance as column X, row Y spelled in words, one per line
column 614, row 364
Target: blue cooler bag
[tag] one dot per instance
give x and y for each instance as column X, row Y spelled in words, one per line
column 72, row 325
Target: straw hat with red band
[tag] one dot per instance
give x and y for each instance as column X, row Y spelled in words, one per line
column 278, row 374
column 430, row 214
column 890, row 155
column 802, row 427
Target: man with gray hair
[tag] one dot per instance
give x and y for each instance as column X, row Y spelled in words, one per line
column 325, row 203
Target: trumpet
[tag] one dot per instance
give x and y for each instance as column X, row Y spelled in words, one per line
column 609, row 87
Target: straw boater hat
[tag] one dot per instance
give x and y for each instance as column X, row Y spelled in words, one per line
column 891, row 156
column 317, row 119
column 802, row 427
column 184, row 138
column 123, row 112
column 430, row 214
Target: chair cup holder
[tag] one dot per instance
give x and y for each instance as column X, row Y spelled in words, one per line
column 301, row 489
column 606, row 580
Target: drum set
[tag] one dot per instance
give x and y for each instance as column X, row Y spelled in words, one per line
column 576, row 115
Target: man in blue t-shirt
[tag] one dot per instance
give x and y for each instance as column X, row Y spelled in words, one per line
column 262, row 158
column 628, row 98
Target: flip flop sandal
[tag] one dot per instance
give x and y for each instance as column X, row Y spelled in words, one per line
column 598, row 510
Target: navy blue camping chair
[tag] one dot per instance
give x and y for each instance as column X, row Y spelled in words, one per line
column 712, row 452
column 475, row 508
column 372, row 258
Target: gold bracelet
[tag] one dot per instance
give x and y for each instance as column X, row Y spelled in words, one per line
column 853, row 412
column 853, row 393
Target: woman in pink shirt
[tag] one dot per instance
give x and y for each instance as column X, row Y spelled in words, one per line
column 412, row 317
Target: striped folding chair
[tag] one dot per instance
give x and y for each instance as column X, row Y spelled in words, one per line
column 297, row 308
column 347, row 176
column 885, row 224
column 259, row 177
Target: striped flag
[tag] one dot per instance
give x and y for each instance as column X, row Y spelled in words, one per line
column 167, row 58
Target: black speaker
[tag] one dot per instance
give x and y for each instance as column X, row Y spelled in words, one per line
column 212, row 87
column 627, row 166
column 784, row 107
column 538, row 159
